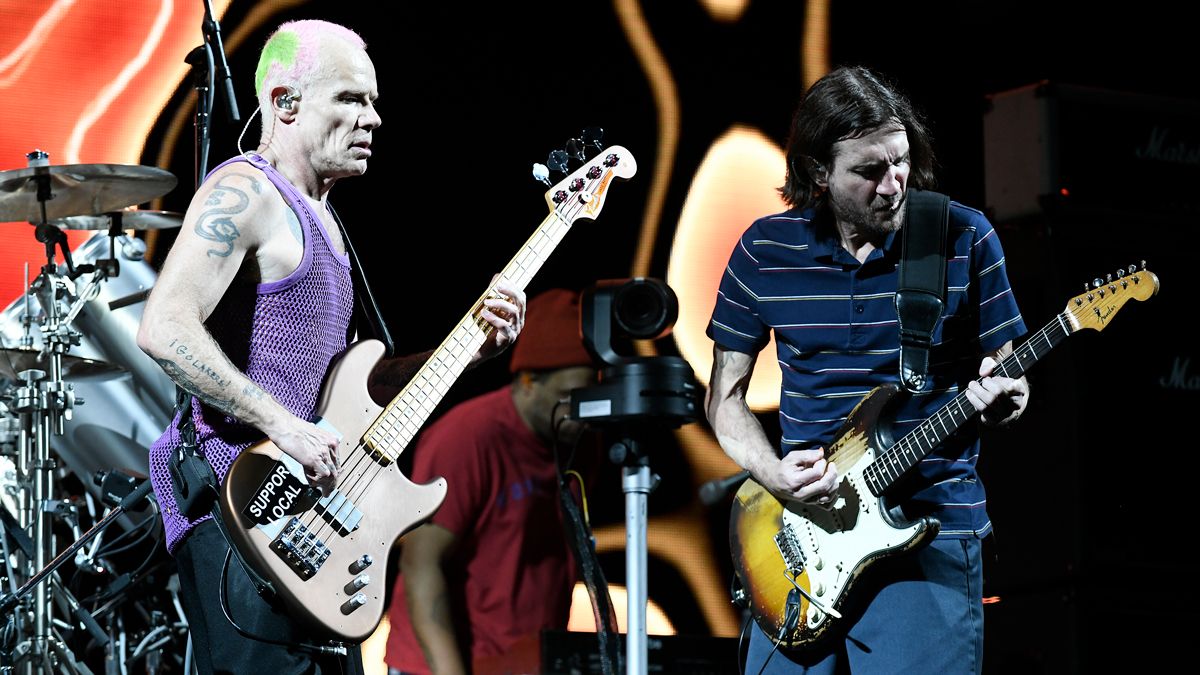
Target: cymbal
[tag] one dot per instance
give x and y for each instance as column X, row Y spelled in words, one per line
column 130, row 220
column 79, row 189
column 13, row 360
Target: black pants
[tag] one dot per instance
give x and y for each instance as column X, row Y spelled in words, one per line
column 218, row 646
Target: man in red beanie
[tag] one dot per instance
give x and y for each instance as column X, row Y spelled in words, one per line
column 493, row 565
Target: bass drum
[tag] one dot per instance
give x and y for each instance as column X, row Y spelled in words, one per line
column 120, row 415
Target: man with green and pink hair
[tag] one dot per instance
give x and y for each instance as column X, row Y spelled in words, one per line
column 254, row 301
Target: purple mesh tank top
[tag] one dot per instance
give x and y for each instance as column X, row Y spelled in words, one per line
column 282, row 335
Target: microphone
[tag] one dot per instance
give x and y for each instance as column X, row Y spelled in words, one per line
column 715, row 490
column 127, row 300
column 137, row 495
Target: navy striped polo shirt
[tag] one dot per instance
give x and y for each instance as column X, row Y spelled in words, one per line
column 837, row 338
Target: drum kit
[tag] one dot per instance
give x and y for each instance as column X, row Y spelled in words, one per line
column 79, row 406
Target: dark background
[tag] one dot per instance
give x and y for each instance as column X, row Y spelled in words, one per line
column 1088, row 495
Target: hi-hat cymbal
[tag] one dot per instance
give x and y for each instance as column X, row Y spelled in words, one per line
column 79, row 189
column 14, row 360
column 130, row 220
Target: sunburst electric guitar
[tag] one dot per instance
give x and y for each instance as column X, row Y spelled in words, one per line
column 327, row 559
column 798, row 563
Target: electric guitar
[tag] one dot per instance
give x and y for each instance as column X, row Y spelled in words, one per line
column 798, row 563
column 327, row 557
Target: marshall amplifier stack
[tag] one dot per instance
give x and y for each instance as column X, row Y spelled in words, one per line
column 1081, row 152
column 1080, row 182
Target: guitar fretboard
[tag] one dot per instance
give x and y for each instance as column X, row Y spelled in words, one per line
column 404, row 416
column 408, row 412
column 916, row 444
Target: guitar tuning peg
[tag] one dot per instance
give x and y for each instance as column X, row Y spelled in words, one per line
column 1120, row 273
column 575, row 149
column 541, row 173
column 1143, row 264
column 1132, row 269
column 1108, row 278
column 592, row 136
column 558, row 161
column 1096, row 283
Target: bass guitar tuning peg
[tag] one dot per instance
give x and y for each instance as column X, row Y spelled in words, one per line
column 592, row 136
column 541, row 173
column 575, row 149
column 558, row 161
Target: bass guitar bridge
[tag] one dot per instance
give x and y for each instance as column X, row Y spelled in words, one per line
column 300, row 549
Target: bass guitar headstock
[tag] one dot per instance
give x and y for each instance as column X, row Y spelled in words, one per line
column 582, row 194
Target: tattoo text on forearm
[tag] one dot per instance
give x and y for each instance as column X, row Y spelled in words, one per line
column 178, row 370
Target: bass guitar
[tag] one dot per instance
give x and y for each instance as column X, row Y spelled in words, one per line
column 326, row 557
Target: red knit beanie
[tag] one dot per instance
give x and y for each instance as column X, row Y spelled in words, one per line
column 550, row 338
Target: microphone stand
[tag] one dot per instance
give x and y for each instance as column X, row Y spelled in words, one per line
column 212, row 36
column 10, row 601
column 203, row 62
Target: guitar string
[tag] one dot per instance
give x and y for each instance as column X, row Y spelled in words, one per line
column 520, row 271
column 1031, row 348
column 386, row 433
column 390, row 427
column 358, row 482
column 959, row 404
column 1075, row 311
column 357, row 488
column 897, row 454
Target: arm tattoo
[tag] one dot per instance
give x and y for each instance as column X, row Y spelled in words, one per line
column 216, row 224
column 188, row 366
column 181, row 378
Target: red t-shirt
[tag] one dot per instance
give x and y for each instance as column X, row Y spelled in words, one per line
column 513, row 572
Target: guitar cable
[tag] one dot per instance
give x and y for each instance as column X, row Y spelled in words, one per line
column 336, row 649
column 742, row 653
column 790, row 618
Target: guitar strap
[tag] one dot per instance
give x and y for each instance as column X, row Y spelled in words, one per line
column 195, row 484
column 921, row 289
column 366, row 306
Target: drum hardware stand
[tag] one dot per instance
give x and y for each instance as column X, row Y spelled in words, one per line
column 81, row 616
column 45, row 402
column 53, row 198
column 9, row 601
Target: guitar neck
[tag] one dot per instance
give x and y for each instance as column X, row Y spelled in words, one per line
column 915, row 445
column 407, row 413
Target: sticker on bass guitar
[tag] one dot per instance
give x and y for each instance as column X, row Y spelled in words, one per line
column 278, row 496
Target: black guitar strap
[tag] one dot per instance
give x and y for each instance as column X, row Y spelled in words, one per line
column 921, row 289
column 366, row 300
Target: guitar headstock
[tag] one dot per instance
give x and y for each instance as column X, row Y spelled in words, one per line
column 583, row 192
column 1096, row 306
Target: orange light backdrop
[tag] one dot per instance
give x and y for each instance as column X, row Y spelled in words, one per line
column 84, row 80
